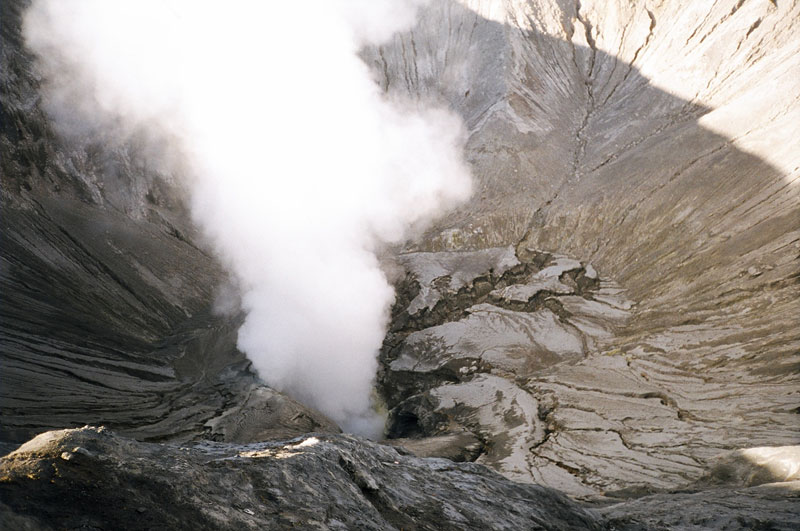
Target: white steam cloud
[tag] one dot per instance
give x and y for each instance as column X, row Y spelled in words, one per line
column 299, row 167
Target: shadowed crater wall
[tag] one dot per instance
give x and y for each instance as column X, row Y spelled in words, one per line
column 107, row 314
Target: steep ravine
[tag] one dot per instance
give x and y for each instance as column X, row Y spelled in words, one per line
column 613, row 315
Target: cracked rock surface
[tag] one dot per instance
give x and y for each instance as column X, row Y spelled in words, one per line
column 613, row 314
column 651, row 140
column 469, row 354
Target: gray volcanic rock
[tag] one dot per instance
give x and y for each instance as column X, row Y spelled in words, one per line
column 266, row 414
column 90, row 478
column 658, row 143
column 107, row 292
column 468, row 363
column 613, row 314
column 773, row 506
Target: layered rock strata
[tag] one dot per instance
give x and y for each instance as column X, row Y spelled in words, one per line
column 653, row 140
column 108, row 292
column 615, row 307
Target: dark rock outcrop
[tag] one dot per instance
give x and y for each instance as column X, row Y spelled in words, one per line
column 769, row 507
column 90, row 478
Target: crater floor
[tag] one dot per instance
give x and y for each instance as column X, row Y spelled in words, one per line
column 652, row 141
column 614, row 314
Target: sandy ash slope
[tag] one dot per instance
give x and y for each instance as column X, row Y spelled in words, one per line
column 615, row 314
column 655, row 143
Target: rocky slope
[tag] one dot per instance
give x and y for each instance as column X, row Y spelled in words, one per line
column 89, row 478
column 656, row 142
column 615, row 307
column 321, row 482
column 107, row 311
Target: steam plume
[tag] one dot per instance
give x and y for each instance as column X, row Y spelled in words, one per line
column 298, row 166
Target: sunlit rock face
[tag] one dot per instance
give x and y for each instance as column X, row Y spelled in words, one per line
column 656, row 143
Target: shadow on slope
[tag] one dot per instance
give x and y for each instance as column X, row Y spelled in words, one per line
column 575, row 152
